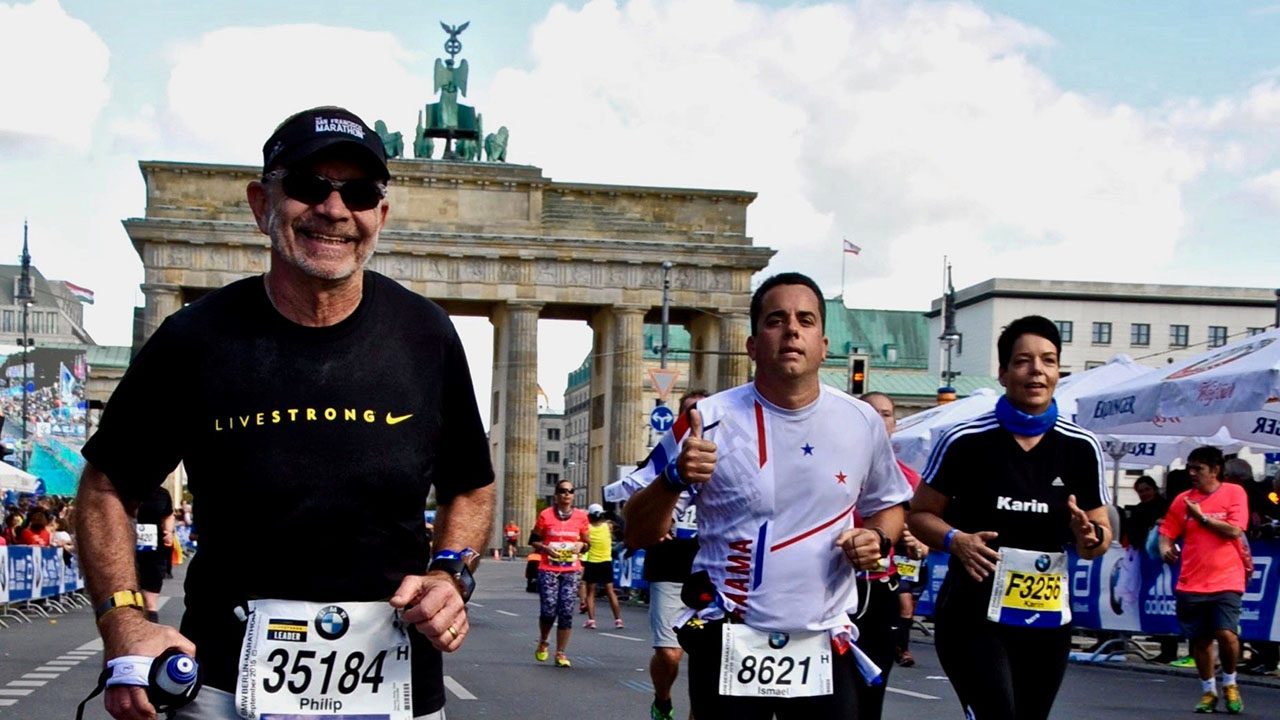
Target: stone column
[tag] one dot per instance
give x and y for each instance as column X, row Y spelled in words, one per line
column 599, row 427
column 704, row 361
column 735, row 367
column 628, row 414
column 515, row 429
column 162, row 301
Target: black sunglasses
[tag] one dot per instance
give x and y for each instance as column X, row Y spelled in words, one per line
column 564, row 491
column 358, row 194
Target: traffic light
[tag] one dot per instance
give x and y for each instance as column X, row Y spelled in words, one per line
column 857, row 374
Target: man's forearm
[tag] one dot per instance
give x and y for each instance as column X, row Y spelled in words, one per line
column 648, row 514
column 466, row 521
column 889, row 521
column 106, row 537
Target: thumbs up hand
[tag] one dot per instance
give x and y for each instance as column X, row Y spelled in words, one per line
column 697, row 458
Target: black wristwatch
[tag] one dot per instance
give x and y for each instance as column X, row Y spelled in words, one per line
column 457, row 565
column 885, row 544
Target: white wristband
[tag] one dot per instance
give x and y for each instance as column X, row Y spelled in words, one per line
column 129, row 670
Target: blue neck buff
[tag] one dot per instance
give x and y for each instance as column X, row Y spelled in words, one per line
column 1020, row 423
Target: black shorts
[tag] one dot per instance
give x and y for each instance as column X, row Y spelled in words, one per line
column 1203, row 614
column 597, row 572
column 702, row 643
column 152, row 567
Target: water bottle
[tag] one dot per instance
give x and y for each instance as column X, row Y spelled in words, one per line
column 177, row 674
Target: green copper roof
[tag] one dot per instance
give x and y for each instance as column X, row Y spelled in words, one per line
column 103, row 356
column 901, row 384
column 893, row 338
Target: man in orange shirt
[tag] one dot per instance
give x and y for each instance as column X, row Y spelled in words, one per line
column 512, row 534
column 1210, row 518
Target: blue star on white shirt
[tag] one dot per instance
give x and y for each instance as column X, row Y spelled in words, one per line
column 808, row 449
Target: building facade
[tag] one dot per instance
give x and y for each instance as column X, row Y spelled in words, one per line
column 1153, row 324
column 551, row 456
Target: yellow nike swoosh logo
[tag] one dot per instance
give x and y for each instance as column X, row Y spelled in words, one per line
column 394, row 419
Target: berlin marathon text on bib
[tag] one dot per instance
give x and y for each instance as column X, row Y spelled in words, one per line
column 303, row 659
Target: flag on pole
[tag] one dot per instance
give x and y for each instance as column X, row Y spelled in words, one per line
column 84, row 295
column 851, row 248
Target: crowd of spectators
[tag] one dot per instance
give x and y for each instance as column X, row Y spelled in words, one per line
column 42, row 522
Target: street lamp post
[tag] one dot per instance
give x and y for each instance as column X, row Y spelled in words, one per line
column 24, row 296
column 666, row 313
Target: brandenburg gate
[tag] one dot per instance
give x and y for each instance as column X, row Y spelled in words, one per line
column 504, row 242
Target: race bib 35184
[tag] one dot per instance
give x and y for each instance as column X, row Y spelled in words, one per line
column 304, row 659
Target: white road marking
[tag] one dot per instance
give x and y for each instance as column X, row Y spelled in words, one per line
column 28, row 683
column 52, row 669
column 7, row 703
column 11, row 692
column 474, row 604
column 40, row 676
column 95, row 645
column 935, row 677
column 508, row 614
column 909, row 693
column 454, row 687
column 621, row 637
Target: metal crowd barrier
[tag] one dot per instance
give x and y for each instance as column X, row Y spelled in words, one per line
column 38, row 582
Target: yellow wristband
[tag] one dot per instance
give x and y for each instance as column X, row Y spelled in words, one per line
column 120, row 599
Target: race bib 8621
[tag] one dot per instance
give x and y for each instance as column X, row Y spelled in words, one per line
column 755, row 663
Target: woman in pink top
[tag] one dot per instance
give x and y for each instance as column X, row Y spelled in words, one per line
column 560, row 536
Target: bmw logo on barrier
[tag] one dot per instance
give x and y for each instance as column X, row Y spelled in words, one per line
column 332, row 622
column 1042, row 563
column 778, row 640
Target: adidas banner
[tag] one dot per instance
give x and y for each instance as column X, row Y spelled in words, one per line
column 1127, row 590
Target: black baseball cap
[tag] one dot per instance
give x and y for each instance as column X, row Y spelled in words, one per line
column 321, row 128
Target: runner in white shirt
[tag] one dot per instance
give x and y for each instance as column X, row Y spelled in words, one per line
column 777, row 468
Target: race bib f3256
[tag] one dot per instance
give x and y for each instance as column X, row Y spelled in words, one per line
column 1030, row 589
column 303, row 659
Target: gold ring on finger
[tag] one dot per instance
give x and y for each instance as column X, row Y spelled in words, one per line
column 453, row 632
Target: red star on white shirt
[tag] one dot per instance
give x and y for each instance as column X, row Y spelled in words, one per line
column 841, row 477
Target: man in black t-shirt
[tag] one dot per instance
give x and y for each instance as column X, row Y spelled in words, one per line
column 334, row 396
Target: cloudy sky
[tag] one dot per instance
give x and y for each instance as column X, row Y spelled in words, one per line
column 1090, row 140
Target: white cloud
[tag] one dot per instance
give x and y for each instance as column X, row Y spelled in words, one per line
column 916, row 130
column 233, row 86
column 1265, row 189
column 54, row 81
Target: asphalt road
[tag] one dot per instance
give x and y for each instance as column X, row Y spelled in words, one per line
column 47, row 666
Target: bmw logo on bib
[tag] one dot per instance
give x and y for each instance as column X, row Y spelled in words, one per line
column 1042, row 563
column 778, row 640
column 332, row 622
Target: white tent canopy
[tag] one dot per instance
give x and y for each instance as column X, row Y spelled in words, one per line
column 1230, row 392
column 11, row 478
column 916, row 434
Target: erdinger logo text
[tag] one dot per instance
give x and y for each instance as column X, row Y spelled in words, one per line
column 1120, row 406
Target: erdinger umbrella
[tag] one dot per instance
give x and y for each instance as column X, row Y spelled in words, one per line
column 917, row 434
column 1231, row 392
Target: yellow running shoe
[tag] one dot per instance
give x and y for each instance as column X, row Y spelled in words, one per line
column 541, row 654
column 1208, row 703
column 562, row 660
column 1235, row 705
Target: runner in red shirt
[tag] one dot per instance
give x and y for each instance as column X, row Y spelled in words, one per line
column 1210, row 518
column 560, row 535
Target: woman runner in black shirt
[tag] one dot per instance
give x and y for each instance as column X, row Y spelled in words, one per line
column 1005, row 493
